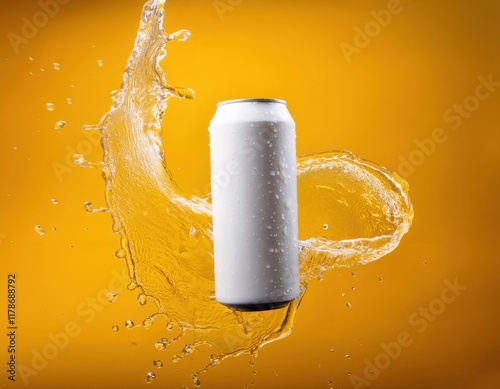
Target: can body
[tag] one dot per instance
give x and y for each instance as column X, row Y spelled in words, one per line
column 254, row 204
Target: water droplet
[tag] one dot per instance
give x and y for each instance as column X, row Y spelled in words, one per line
column 158, row 364
column 176, row 358
column 348, row 356
column 353, row 273
column 425, row 262
column 268, row 266
column 111, row 296
column 56, row 66
column 254, row 372
column 142, row 299
column 114, row 328
column 105, row 173
column 170, row 326
column 121, row 253
column 332, row 350
column 188, row 349
column 348, row 305
column 342, row 294
column 49, row 106
column 69, row 101
column 99, row 62
column 59, row 125
column 148, row 322
column 325, row 226
column 39, row 230
column 277, row 373
column 89, row 208
column 380, row 279
column 53, row 229
column 179, row 36
column 53, row 201
column 371, row 372
column 30, row 58
column 80, row 160
column 129, row 324
column 215, row 359
column 161, row 345
column 353, row 287
column 150, row 377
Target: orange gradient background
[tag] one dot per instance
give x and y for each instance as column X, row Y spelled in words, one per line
column 390, row 96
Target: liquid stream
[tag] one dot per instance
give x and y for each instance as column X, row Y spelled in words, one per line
column 351, row 212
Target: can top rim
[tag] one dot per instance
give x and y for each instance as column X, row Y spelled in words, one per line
column 252, row 100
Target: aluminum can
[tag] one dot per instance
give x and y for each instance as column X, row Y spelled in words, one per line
column 254, row 204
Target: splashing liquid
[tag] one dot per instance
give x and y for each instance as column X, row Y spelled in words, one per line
column 366, row 208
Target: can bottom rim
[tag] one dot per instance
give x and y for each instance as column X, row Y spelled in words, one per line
column 258, row 307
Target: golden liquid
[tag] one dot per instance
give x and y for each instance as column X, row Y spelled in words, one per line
column 350, row 212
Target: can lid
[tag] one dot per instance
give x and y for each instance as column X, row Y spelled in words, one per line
column 252, row 100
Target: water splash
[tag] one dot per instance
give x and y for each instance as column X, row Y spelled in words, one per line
column 165, row 233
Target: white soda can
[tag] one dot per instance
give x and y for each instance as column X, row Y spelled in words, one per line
column 254, row 204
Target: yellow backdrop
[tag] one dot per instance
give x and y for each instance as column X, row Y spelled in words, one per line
column 411, row 85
